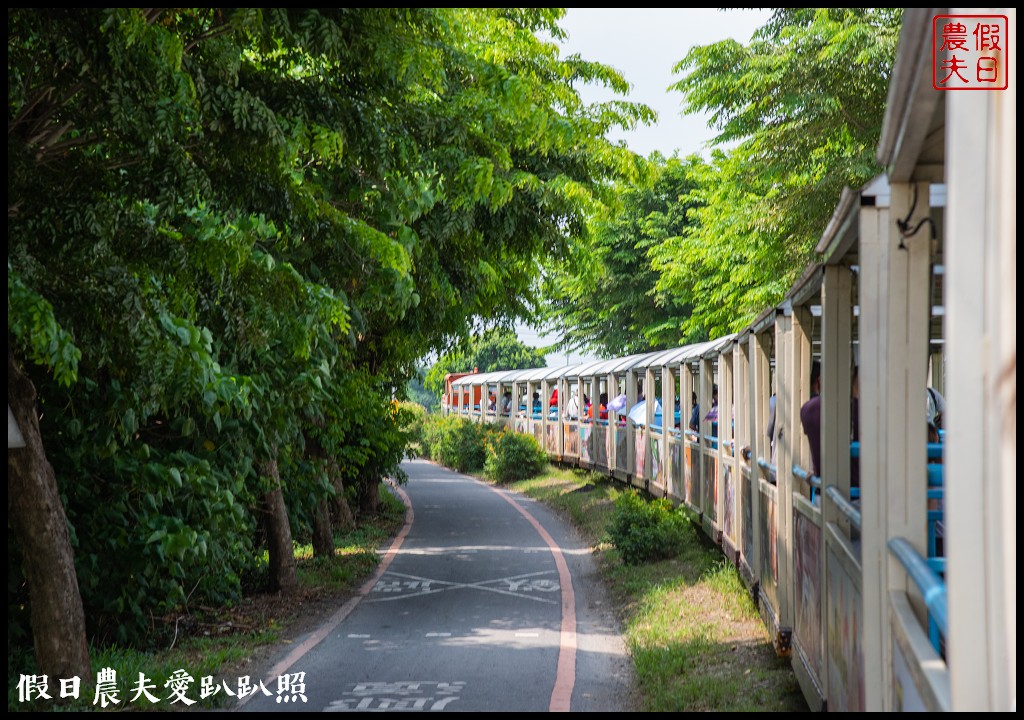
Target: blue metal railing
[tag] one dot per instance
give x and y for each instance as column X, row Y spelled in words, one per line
column 932, row 588
column 813, row 480
column 845, row 506
column 934, row 450
column 768, row 468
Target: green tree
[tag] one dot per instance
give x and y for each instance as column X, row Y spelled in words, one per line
column 606, row 296
column 231, row 234
column 804, row 101
column 417, row 390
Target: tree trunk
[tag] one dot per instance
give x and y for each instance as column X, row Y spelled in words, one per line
column 35, row 512
column 279, row 534
column 343, row 518
column 323, row 538
column 369, row 497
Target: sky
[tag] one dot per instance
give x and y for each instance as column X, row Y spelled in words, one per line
column 644, row 44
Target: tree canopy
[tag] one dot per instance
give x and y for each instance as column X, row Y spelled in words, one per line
column 232, row 232
column 711, row 242
column 605, row 295
column 804, row 101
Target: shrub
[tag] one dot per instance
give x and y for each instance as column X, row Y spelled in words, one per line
column 412, row 417
column 456, row 443
column 644, row 530
column 436, row 430
column 512, row 456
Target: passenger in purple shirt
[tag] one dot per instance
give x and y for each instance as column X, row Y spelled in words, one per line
column 810, row 417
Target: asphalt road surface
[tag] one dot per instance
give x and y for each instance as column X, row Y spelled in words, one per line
column 487, row 602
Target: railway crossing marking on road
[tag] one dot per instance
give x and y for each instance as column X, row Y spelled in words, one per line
column 398, row 696
column 399, row 586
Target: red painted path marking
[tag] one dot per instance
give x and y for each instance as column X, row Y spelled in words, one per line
column 345, row 610
column 565, row 676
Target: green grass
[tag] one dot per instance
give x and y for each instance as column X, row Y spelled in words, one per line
column 586, row 498
column 355, row 553
column 694, row 632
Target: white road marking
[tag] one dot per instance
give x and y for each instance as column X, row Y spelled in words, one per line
column 391, row 696
column 394, row 584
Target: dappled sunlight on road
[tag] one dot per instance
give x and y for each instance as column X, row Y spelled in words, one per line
column 503, row 635
column 472, row 549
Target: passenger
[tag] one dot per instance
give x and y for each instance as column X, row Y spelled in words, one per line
column 572, row 408
column 810, row 418
column 694, row 414
column 602, row 408
column 936, row 407
column 772, row 402
column 506, row 403
column 713, row 412
column 536, row 402
column 553, row 401
column 617, row 406
column 936, row 503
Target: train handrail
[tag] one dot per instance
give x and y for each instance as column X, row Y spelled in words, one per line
column 846, row 507
column 812, row 479
column 934, row 450
column 933, row 590
column 772, row 471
